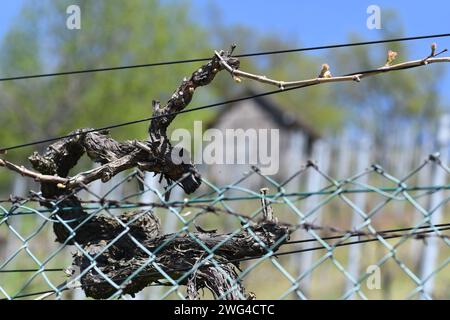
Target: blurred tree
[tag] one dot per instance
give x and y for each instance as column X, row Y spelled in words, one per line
column 113, row 33
column 117, row 33
column 313, row 104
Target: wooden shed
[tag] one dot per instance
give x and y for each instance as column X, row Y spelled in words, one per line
column 296, row 137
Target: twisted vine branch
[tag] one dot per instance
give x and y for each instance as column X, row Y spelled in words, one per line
column 121, row 245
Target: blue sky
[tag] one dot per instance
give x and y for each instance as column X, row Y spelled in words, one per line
column 313, row 22
column 318, row 22
column 9, row 9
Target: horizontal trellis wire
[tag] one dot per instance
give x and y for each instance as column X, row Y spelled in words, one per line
column 401, row 231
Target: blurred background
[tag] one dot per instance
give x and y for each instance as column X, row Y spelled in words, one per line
column 395, row 120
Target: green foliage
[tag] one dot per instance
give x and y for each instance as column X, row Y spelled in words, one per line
column 314, row 105
column 117, row 32
column 113, row 33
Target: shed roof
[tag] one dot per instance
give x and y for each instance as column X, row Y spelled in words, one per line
column 280, row 115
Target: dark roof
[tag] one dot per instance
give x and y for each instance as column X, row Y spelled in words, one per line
column 276, row 112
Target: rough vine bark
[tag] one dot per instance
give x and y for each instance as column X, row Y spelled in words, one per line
column 180, row 254
column 153, row 155
column 121, row 245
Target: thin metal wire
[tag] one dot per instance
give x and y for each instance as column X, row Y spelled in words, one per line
column 420, row 235
column 244, row 55
column 114, row 126
column 441, row 227
column 208, row 106
column 124, row 204
column 224, row 197
column 32, row 270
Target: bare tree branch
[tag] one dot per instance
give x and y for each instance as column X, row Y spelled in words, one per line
column 122, row 244
column 325, row 75
column 32, row 174
column 154, row 155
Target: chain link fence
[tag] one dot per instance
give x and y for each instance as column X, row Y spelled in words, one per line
column 370, row 236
